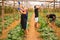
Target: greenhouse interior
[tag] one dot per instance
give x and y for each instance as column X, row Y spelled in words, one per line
column 29, row 19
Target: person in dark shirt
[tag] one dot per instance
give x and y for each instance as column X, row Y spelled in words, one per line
column 36, row 12
column 51, row 17
column 36, row 7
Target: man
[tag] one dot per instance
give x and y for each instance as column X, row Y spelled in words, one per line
column 36, row 7
column 51, row 17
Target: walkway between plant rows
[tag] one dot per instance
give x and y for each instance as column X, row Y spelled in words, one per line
column 32, row 33
column 10, row 27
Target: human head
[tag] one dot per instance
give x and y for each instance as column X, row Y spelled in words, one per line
column 25, row 8
column 36, row 6
column 21, row 6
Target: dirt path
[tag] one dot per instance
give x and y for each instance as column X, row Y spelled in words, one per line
column 12, row 26
column 32, row 34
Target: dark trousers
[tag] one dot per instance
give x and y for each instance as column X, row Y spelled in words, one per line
column 23, row 21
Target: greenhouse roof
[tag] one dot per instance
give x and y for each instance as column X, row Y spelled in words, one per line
column 31, row 0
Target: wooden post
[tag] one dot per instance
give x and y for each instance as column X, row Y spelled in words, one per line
column 54, row 6
column 59, row 4
column 14, row 9
column 2, row 15
column 14, row 6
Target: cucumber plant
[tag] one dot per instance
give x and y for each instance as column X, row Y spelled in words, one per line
column 46, row 33
column 16, row 34
column 9, row 19
column 0, row 29
column 57, row 22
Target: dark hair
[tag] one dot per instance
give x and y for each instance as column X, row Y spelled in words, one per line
column 35, row 6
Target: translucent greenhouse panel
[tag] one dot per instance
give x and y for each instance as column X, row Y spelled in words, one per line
column 49, row 0
column 57, row 0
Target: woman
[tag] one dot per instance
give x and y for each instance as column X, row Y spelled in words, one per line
column 24, row 15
